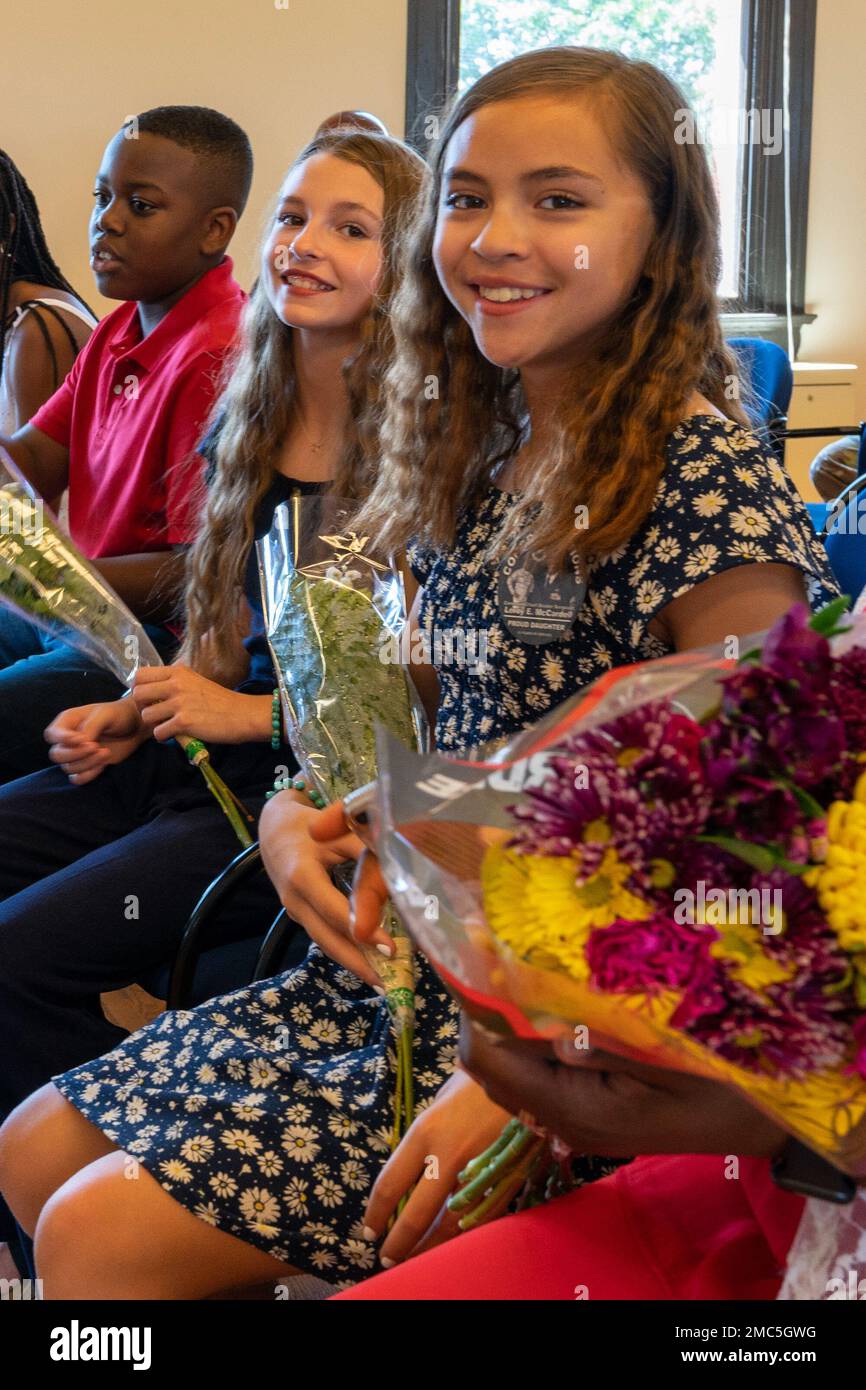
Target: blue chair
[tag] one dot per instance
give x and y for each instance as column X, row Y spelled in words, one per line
column 844, row 533
column 818, row 514
column 769, row 382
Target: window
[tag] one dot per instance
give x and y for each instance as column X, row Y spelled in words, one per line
column 726, row 55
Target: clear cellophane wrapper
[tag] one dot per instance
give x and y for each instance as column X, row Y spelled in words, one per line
column 433, row 820
column 45, row 579
column 335, row 617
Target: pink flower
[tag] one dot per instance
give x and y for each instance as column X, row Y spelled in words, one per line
column 646, row 957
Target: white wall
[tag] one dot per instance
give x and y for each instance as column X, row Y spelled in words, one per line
column 70, row 80
column 74, row 69
column 836, row 249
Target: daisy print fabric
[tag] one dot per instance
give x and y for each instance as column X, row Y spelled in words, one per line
column 267, row 1112
column 723, row 501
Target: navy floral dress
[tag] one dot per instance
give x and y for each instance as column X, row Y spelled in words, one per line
column 267, row 1111
column 723, row 500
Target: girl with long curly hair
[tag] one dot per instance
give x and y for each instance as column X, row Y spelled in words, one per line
column 562, row 411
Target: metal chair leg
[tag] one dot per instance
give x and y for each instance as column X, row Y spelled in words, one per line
column 248, row 862
column 280, row 933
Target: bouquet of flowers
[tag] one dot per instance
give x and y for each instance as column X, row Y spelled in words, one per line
column 46, row 579
column 675, row 860
column 332, row 613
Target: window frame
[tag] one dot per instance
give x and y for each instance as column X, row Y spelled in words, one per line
column 432, row 68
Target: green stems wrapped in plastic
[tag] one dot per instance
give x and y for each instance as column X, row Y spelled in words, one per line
column 46, row 579
column 332, row 611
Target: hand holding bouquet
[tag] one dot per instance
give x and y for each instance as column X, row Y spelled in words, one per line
column 46, row 579
column 674, row 860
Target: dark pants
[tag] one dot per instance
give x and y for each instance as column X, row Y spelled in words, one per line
column 96, row 885
column 40, row 676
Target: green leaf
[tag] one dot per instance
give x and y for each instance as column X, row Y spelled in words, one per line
column 841, row 985
column 758, row 856
column 826, row 619
column 806, row 803
column 764, row 858
column 790, row 867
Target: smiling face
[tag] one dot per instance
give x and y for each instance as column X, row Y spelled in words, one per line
column 323, row 260
column 153, row 230
column 541, row 233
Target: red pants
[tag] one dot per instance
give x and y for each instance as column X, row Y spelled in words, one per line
column 668, row 1227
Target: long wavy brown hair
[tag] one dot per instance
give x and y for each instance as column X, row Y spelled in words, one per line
column 441, row 446
column 254, row 409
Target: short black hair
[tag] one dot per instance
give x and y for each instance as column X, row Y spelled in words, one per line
column 222, row 142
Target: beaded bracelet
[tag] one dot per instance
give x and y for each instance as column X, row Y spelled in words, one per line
column 299, row 785
column 276, row 722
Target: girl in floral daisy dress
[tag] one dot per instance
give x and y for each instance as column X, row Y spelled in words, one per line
column 580, row 490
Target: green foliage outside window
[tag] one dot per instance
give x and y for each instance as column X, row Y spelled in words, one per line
column 677, row 35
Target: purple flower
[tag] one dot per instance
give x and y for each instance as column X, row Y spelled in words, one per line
column 794, row 652
column 696, row 863
column 779, row 718
column 755, row 808
column 770, row 725
column 789, row 1027
column 848, row 694
column 636, row 785
column 848, row 690
column 769, row 1036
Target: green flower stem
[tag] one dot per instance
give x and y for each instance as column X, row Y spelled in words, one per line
column 495, row 1204
column 476, row 1165
column 404, row 1103
column 398, row 1101
column 537, row 1189
column 499, row 1166
column 406, row 1037
column 227, row 802
column 506, row 1189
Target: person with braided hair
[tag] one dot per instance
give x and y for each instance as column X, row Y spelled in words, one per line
column 44, row 323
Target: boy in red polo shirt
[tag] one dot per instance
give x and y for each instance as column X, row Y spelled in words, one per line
column 121, row 431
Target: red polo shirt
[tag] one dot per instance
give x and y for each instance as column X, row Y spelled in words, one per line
column 131, row 411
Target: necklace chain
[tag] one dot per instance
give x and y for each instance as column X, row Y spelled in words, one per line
column 316, row 448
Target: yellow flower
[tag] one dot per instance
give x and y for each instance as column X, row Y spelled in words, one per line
column 627, row 756
column 838, row 882
column 740, row 945
column 544, row 911
column 662, row 873
column 596, row 832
